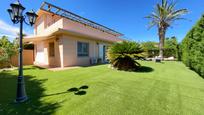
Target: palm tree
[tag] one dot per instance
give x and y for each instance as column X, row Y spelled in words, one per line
column 163, row 17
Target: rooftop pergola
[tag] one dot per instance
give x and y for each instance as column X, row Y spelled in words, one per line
column 74, row 17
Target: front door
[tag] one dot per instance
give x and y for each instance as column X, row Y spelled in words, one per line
column 52, row 54
column 102, row 52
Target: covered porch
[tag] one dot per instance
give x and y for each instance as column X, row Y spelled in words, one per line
column 47, row 51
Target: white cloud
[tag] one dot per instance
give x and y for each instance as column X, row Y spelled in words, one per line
column 10, row 36
column 10, row 30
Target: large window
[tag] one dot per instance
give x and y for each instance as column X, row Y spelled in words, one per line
column 51, row 49
column 82, row 49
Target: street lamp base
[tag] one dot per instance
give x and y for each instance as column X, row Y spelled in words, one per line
column 21, row 99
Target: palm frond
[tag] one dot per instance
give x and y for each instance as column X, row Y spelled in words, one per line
column 176, row 15
column 179, row 12
column 164, row 3
column 171, row 6
column 165, row 14
column 152, row 24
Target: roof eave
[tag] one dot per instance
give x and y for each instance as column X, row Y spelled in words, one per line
column 60, row 31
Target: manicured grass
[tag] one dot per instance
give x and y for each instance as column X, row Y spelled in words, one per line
column 167, row 88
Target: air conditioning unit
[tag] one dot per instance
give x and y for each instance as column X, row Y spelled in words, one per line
column 93, row 61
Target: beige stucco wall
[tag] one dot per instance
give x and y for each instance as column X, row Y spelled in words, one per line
column 39, row 53
column 39, row 25
column 66, row 45
column 84, row 29
column 42, row 53
column 65, row 51
column 70, row 57
column 48, row 23
column 52, row 24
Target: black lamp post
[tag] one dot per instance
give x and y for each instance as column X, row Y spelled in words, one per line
column 16, row 15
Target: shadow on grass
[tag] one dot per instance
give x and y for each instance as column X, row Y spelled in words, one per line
column 33, row 68
column 76, row 91
column 34, row 106
column 162, row 62
column 144, row 69
column 196, row 72
column 79, row 91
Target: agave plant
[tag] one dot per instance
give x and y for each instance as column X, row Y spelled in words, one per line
column 163, row 17
column 123, row 55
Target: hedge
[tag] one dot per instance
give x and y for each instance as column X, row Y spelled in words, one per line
column 192, row 48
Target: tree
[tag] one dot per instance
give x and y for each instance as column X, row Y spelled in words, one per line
column 149, row 45
column 25, row 45
column 171, row 47
column 171, row 43
column 151, row 48
column 163, row 17
column 123, row 55
column 7, row 50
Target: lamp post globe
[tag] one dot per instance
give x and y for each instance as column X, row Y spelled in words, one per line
column 16, row 15
column 17, row 9
column 32, row 16
column 11, row 14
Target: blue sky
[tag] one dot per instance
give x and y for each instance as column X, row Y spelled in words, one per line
column 125, row 16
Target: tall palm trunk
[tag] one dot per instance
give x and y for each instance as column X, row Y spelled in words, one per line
column 162, row 32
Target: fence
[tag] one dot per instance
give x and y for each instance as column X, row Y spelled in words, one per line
column 28, row 58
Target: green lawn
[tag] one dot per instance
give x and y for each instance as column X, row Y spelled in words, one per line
column 167, row 88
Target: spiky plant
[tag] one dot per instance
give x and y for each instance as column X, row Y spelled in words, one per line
column 123, row 55
column 164, row 15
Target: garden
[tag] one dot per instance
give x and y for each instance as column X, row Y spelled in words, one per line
column 163, row 88
column 141, row 78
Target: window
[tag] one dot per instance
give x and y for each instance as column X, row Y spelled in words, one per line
column 82, row 49
column 51, row 49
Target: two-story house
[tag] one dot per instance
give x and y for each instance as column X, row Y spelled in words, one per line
column 62, row 38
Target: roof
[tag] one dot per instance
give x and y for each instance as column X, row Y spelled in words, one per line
column 60, row 31
column 74, row 17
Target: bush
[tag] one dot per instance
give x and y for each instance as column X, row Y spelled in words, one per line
column 170, row 52
column 193, row 47
column 123, row 55
column 170, row 48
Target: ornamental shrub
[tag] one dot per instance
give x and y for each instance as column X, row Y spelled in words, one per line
column 123, row 55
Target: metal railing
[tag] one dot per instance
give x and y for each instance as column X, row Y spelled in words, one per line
column 74, row 17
